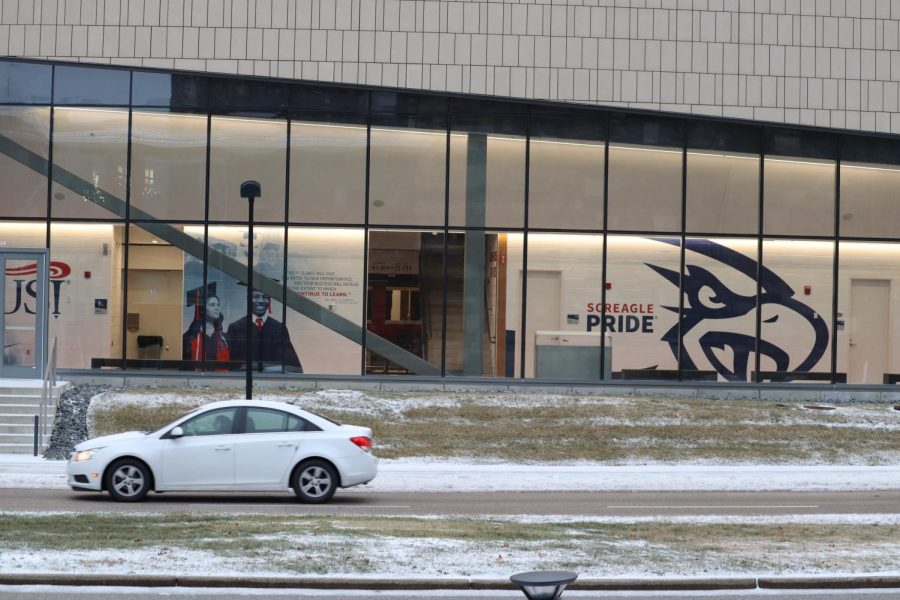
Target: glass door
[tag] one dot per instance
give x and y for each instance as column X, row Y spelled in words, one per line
column 23, row 323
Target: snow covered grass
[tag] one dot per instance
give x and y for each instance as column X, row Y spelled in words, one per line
column 446, row 546
column 543, row 428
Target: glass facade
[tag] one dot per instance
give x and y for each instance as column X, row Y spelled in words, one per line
column 446, row 236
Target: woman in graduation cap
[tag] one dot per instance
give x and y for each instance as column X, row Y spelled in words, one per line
column 205, row 337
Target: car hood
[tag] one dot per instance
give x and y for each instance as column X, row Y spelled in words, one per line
column 107, row 440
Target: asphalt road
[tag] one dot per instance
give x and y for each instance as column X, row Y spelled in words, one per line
column 74, row 593
column 629, row 504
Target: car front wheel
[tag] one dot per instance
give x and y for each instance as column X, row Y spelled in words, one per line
column 315, row 482
column 128, row 480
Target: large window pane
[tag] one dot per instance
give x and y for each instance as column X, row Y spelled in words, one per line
column 24, row 189
column 325, row 267
column 243, row 148
column 328, row 169
column 644, row 175
column 20, row 303
column 565, row 280
column 404, row 302
column 271, row 341
column 642, row 286
column 156, row 295
column 91, row 86
column 484, row 285
column 168, row 165
column 89, row 320
column 719, row 318
column 406, row 173
column 795, row 310
column 228, row 341
column 722, row 178
column 487, row 172
column 868, row 332
column 90, row 151
column 25, row 83
column 870, row 187
column 168, row 89
column 799, row 184
column 565, row 177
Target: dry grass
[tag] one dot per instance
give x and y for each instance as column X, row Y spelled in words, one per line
column 525, row 428
column 325, row 544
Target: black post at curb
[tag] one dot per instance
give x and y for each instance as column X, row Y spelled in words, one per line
column 37, row 432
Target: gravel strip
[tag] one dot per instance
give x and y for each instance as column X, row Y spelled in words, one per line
column 70, row 424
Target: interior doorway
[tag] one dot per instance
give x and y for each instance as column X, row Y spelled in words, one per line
column 544, row 302
column 870, row 301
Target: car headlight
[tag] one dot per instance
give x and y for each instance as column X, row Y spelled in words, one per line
column 83, row 455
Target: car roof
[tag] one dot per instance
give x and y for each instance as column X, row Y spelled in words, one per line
column 276, row 405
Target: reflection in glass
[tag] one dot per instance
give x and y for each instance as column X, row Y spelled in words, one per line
column 24, row 188
column 168, row 165
column 91, row 86
column 407, row 168
column 565, row 281
column 483, row 303
column 868, row 334
column 795, row 310
column 487, row 173
column 87, row 321
column 25, row 83
column 722, row 192
column 243, row 148
column 325, row 267
column 90, row 151
column 642, row 285
column 799, row 187
column 328, row 172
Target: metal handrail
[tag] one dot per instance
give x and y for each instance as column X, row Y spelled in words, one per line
column 48, row 401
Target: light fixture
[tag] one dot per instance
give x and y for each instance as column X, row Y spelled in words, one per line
column 543, row 585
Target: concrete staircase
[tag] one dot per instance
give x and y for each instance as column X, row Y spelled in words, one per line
column 20, row 401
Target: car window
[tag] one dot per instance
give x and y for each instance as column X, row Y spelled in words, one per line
column 266, row 420
column 214, row 422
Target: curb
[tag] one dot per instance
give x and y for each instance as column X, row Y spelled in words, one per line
column 388, row 584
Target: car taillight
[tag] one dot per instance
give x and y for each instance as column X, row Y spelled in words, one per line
column 363, row 442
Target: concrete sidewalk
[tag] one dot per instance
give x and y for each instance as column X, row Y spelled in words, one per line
column 395, row 584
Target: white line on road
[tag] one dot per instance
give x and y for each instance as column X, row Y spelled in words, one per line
column 698, row 507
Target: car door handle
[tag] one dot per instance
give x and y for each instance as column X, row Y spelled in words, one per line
column 223, row 448
column 287, row 445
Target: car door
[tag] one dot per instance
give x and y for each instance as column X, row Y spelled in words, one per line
column 265, row 451
column 204, row 456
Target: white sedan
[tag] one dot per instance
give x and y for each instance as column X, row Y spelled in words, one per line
column 236, row 445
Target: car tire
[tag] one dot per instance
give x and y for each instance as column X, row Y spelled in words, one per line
column 314, row 481
column 128, row 480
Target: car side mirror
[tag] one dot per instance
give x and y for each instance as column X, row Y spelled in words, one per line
column 176, row 433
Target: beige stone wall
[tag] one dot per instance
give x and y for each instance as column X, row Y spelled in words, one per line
column 820, row 62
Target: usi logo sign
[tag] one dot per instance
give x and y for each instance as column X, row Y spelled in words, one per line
column 23, row 279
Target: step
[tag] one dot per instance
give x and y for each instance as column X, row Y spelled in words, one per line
column 7, row 448
column 21, row 428
column 23, row 409
column 19, row 418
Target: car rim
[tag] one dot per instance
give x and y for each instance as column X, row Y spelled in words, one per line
column 315, row 481
column 128, row 480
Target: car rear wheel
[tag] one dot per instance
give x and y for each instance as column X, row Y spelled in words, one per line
column 128, row 480
column 315, row 481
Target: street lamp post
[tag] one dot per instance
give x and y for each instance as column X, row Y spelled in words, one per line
column 250, row 190
column 543, row 585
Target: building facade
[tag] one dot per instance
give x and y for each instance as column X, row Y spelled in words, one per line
column 579, row 191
